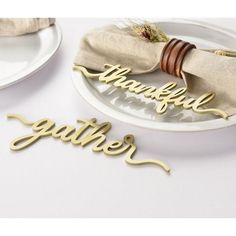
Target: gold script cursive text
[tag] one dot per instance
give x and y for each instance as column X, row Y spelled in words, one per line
column 165, row 94
column 89, row 132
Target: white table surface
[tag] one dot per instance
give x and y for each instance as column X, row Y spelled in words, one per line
column 53, row 179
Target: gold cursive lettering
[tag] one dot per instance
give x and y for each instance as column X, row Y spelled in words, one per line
column 90, row 132
column 165, row 95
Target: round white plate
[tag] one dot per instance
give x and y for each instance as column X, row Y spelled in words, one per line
column 23, row 55
column 136, row 110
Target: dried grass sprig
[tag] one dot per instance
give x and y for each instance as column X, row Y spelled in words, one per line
column 149, row 31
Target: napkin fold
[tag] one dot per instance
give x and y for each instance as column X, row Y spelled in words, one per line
column 203, row 71
column 20, row 26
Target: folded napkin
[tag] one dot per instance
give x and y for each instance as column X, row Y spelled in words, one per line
column 19, row 26
column 203, row 71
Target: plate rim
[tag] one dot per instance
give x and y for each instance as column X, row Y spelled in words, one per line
column 32, row 69
column 151, row 124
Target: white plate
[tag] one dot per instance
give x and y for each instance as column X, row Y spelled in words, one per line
column 23, row 55
column 136, row 110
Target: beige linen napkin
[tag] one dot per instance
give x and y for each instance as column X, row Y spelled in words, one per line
column 203, row 71
column 19, row 26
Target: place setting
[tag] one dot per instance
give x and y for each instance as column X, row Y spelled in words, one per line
column 26, row 46
column 172, row 75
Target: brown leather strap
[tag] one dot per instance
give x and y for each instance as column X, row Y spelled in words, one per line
column 173, row 55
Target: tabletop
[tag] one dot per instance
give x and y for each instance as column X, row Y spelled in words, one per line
column 56, row 179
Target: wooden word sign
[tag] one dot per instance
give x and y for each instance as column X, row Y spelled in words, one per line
column 165, row 95
column 88, row 132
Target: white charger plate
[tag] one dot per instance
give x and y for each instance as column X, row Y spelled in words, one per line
column 21, row 56
column 137, row 110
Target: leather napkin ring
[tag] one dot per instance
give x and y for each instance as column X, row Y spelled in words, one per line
column 173, row 55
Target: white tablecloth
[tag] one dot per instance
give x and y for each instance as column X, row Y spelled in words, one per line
column 52, row 178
